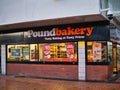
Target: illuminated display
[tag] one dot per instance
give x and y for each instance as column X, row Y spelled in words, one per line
column 48, row 52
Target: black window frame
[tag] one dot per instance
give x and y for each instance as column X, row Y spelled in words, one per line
column 39, row 61
column 97, row 63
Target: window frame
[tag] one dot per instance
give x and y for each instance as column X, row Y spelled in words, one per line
column 39, row 61
column 97, row 63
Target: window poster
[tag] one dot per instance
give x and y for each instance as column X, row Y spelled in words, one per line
column 46, row 51
column 70, row 50
column 97, row 52
column 15, row 52
column 25, row 53
column 33, row 54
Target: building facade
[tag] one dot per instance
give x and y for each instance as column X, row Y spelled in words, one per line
column 60, row 42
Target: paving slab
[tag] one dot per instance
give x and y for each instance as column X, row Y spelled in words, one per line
column 23, row 83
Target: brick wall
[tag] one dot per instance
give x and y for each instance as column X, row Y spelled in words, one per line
column 44, row 70
column 99, row 72
column 110, row 70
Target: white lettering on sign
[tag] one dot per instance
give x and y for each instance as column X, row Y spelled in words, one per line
column 32, row 33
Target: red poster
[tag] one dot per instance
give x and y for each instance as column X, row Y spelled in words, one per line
column 70, row 50
column 46, row 51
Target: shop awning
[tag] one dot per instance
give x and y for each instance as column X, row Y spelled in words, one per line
column 56, row 21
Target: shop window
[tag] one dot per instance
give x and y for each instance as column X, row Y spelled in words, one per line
column 18, row 52
column 110, row 51
column 46, row 52
column 34, row 52
column 58, row 52
column 97, row 51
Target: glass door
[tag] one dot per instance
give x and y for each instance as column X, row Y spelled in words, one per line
column 118, row 58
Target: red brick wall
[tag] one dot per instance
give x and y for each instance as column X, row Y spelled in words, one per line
column 44, row 70
column 110, row 70
column 99, row 72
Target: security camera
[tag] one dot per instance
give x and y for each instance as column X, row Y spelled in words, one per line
column 109, row 15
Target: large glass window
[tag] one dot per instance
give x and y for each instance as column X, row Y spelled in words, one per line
column 18, row 52
column 47, row 52
column 97, row 51
column 58, row 52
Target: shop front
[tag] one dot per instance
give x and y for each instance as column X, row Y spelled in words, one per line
column 80, row 51
column 114, row 34
column 118, row 58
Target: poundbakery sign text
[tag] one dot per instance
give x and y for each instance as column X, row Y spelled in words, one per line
column 57, row 32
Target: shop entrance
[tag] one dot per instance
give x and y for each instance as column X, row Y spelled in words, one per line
column 118, row 58
column 114, row 58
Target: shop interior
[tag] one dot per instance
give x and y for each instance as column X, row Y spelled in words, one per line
column 58, row 52
column 99, row 51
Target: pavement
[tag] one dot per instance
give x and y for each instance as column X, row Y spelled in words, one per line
column 29, row 83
